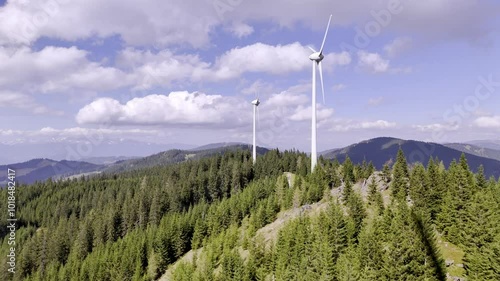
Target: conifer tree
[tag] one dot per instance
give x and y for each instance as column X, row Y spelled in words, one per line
column 399, row 184
column 480, row 178
column 348, row 170
column 347, row 192
column 386, row 173
column 357, row 213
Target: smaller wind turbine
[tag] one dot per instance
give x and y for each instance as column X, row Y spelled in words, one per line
column 316, row 58
column 255, row 103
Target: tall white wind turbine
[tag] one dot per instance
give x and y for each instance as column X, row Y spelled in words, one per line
column 316, row 58
column 255, row 103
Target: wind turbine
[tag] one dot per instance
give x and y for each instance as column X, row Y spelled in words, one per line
column 255, row 103
column 316, row 58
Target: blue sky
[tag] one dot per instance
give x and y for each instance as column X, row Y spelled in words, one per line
column 186, row 71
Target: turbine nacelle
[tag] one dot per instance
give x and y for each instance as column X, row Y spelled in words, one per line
column 256, row 102
column 316, row 56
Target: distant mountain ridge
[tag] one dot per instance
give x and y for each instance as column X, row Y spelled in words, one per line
column 42, row 169
column 176, row 156
column 491, row 144
column 21, row 152
column 384, row 149
column 378, row 150
column 217, row 145
column 476, row 150
column 108, row 160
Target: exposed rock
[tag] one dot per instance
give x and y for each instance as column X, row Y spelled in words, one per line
column 289, row 178
column 449, row 262
column 460, row 265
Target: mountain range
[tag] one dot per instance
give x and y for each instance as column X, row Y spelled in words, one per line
column 383, row 150
column 379, row 151
column 42, row 169
column 482, row 151
column 68, row 150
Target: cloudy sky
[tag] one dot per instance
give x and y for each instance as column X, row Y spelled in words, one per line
column 185, row 71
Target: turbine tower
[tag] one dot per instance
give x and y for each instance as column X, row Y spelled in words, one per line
column 316, row 58
column 255, row 103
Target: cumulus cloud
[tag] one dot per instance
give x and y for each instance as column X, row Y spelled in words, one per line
column 261, row 57
column 151, row 22
column 184, row 109
column 373, row 62
column 68, row 70
column 240, row 30
column 303, row 113
column 191, row 21
column 287, row 99
column 259, row 87
column 175, row 109
column 492, row 122
column 55, row 70
column 343, row 58
column 165, row 67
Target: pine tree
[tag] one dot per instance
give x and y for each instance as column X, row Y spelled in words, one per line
column 437, row 189
column 370, row 250
column 347, row 192
column 420, row 190
column 480, row 178
column 356, row 212
column 399, row 184
column 348, row 170
column 386, row 173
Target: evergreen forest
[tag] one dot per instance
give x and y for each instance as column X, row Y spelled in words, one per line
column 224, row 218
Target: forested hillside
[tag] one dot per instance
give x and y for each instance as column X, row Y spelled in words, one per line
column 135, row 225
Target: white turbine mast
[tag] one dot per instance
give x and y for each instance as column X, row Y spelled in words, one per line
column 316, row 58
column 255, row 103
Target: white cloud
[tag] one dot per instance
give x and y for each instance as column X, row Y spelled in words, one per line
column 240, row 30
column 287, row 99
column 303, row 113
column 9, row 99
column 348, row 125
column 492, row 122
column 398, row 46
column 56, row 70
column 333, row 59
column 175, row 109
column 260, row 88
column 191, row 22
column 165, row 67
column 373, row 62
column 259, row 57
column 151, row 22
column 68, row 70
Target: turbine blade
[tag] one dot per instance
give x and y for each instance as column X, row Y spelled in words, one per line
column 326, row 33
column 321, row 78
column 312, row 49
